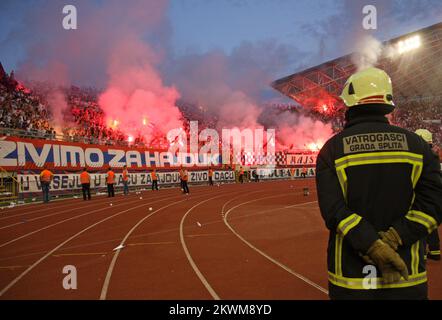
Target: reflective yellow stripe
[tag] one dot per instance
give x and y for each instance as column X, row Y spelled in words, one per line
column 358, row 283
column 416, row 160
column 378, row 156
column 377, row 161
column 338, row 253
column 348, row 223
column 416, row 174
column 435, row 252
column 342, row 177
column 415, row 258
column 412, row 200
column 424, row 219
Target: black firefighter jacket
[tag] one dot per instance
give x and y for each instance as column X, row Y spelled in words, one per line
column 371, row 176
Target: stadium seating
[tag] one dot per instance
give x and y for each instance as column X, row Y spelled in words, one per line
column 26, row 113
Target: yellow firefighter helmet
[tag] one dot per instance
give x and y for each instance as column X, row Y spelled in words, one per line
column 425, row 134
column 371, row 85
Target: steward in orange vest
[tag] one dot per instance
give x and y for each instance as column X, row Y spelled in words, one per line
column 185, row 178
column 125, row 181
column 46, row 177
column 154, row 176
column 241, row 175
column 210, row 177
column 110, row 180
column 85, row 180
column 304, row 172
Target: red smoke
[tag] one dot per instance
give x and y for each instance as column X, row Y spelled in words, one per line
column 297, row 132
column 136, row 101
column 113, row 47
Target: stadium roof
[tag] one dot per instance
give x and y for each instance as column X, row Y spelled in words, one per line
column 416, row 70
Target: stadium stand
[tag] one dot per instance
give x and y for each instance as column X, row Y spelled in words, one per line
column 414, row 72
column 26, row 113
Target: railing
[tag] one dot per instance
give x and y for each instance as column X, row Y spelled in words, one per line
column 36, row 134
column 9, row 186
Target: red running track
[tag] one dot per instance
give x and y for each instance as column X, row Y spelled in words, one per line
column 252, row 241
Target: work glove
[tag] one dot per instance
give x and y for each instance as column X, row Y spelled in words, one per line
column 391, row 237
column 388, row 261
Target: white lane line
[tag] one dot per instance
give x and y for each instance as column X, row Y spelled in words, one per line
column 234, row 198
column 164, row 231
column 189, row 257
column 294, row 273
column 12, row 267
column 149, row 243
column 38, row 218
column 206, row 235
column 18, row 278
column 79, row 254
column 69, row 219
column 62, row 206
column 90, row 204
column 110, row 270
column 258, row 213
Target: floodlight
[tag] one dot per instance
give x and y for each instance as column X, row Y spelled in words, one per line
column 409, row 44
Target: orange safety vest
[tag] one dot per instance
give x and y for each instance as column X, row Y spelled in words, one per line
column 210, row 173
column 46, row 175
column 241, row 172
column 292, row 172
column 85, row 177
column 110, row 177
column 125, row 177
column 181, row 174
column 185, row 176
column 304, row 170
column 154, row 175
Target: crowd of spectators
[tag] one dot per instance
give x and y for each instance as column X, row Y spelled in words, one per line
column 335, row 116
column 84, row 120
column 88, row 120
column 20, row 109
column 411, row 114
column 420, row 113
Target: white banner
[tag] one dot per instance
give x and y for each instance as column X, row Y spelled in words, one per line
column 71, row 181
column 286, row 173
column 301, row 159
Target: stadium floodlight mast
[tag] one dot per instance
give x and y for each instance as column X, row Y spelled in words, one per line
column 409, row 44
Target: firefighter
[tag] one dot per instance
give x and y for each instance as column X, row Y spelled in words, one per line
column 433, row 240
column 380, row 196
column 185, row 178
column 125, row 181
column 85, row 180
column 154, row 177
column 110, row 180
column 46, row 176
column 210, row 176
